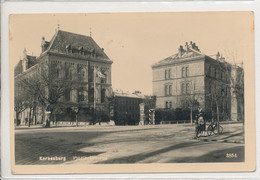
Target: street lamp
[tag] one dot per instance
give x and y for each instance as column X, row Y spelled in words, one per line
column 76, row 110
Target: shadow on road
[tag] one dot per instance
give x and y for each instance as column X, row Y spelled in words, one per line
column 142, row 156
column 215, row 156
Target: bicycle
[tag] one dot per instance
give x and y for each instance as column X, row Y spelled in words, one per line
column 213, row 128
column 199, row 130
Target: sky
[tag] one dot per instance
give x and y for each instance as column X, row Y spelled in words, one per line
column 134, row 41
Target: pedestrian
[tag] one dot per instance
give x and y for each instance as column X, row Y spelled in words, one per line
column 200, row 124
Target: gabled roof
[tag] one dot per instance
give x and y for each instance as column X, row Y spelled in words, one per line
column 63, row 40
column 176, row 58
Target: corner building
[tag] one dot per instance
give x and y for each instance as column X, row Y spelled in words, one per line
column 191, row 75
column 74, row 56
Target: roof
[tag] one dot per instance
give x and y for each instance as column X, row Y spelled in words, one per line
column 18, row 68
column 129, row 95
column 176, row 58
column 64, row 40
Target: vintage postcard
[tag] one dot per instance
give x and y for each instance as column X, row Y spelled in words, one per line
column 132, row 92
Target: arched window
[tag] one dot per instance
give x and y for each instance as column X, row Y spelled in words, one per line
column 91, row 74
column 103, row 95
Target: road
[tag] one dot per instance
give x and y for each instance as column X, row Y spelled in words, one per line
column 126, row 144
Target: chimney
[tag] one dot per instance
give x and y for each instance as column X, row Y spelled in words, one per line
column 221, row 58
column 217, row 56
column 186, row 46
column 25, row 61
column 181, row 50
column 43, row 44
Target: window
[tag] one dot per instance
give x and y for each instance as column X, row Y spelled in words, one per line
column 103, row 95
column 91, row 74
column 58, row 72
column 185, row 71
column 91, row 95
column 70, row 74
column 82, row 75
column 166, row 90
column 170, row 104
column 170, row 90
column 209, row 87
column 166, row 104
column 226, row 91
column 67, row 94
column 168, row 74
column 104, row 79
column 185, row 88
column 81, row 95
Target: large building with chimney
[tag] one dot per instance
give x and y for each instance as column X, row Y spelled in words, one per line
column 191, row 79
column 73, row 58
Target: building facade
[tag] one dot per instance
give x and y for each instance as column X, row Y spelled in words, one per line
column 192, row 79
column 67, row 59
column 127, row 107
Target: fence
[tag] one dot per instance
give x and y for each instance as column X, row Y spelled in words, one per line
column 176, row 122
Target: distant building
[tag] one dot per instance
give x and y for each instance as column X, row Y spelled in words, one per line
column 192, row 79
column 127, row 107
column 75, row 58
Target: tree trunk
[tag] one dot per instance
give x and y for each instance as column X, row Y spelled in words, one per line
column 217, row 117
column 55, row 119
column 34, row 115
column 76, row 120
column 29, row 120
column 191, row 116
column 17, row 116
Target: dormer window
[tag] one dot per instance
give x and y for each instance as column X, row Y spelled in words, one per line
column 68, row 49
column 81, row 50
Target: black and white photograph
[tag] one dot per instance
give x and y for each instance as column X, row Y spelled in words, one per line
column 153, row 90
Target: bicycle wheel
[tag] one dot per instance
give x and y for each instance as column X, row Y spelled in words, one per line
column 210, row 130
column 198, row 133
column 216, row 130
column 220, row 129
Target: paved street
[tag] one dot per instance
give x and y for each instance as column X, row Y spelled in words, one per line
column 126, row 144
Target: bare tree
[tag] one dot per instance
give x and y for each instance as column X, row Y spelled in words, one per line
column 235, row 77
column 45, row 86
column 19, row 105
column 191, row 96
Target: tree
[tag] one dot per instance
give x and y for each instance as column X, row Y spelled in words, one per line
column 236, row 79
column 45, row 87
column 191, row 96
column 19, row 106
